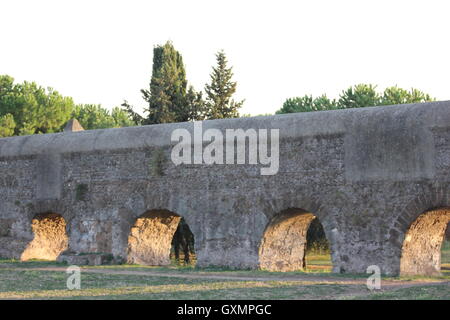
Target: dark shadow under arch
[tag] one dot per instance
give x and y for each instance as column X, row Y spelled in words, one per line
column 50, row 237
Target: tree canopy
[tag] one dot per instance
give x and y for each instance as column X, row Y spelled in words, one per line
column 27, row 108
column 361, row 95
column 92, row 116
column 34, row 109
column 171, row 99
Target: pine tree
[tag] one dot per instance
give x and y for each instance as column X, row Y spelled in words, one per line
column 219, row 103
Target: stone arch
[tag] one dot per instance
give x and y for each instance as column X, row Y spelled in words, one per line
column 283, row 246
column 303, row 201
column 50, row 237
column 421, row 250
column 433, row 200
column 150, row 238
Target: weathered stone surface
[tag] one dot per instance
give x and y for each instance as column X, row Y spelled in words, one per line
column 447, row 232
column 367, row 174
column 284, row 243
column 151, row 236
column 421, row 252
column 89, row 259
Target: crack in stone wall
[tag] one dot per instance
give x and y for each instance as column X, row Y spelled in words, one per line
column 50, row 238
column 150, row 239
column 421, row 252
column 283, row 246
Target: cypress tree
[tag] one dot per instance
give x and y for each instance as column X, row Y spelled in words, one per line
column 166, row 96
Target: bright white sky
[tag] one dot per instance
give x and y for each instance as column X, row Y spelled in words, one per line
column 101, row 51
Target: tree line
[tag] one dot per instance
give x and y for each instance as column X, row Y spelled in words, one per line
column 28, row 108
column 358, row 96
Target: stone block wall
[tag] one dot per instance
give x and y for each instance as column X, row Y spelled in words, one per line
column 367, row 174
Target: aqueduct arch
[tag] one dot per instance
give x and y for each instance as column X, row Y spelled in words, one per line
column 421, row 250
column 360, row 171
column 150, row 238
column 50, row 237
column 284, row 243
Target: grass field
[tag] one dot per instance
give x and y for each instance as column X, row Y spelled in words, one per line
column 47, row 280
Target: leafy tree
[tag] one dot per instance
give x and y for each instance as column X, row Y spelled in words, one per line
column 27, row 108
column 248, row 115
column 361, row 95
column 7, row 125
column 34, row 108
column 93, row 116
column 307, row 104
column 6, row 88
column 121, row 118
column 219, row 92
column 395, row 95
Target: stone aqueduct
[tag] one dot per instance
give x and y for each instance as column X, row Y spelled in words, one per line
column 377, row 178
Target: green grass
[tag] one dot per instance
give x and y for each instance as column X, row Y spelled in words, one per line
column 34, row 263
column 39, row 284
column 226, row 271
column 22, row 280
column 251, row 291
column 436, row 292
column 32, row 280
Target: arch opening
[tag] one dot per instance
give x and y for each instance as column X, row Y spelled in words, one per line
column 183, row 245
column 421, row 250
column 50, row 238
column 159, row 235
column 294, row 240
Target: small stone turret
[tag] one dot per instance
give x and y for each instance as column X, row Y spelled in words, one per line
column 73, row 126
